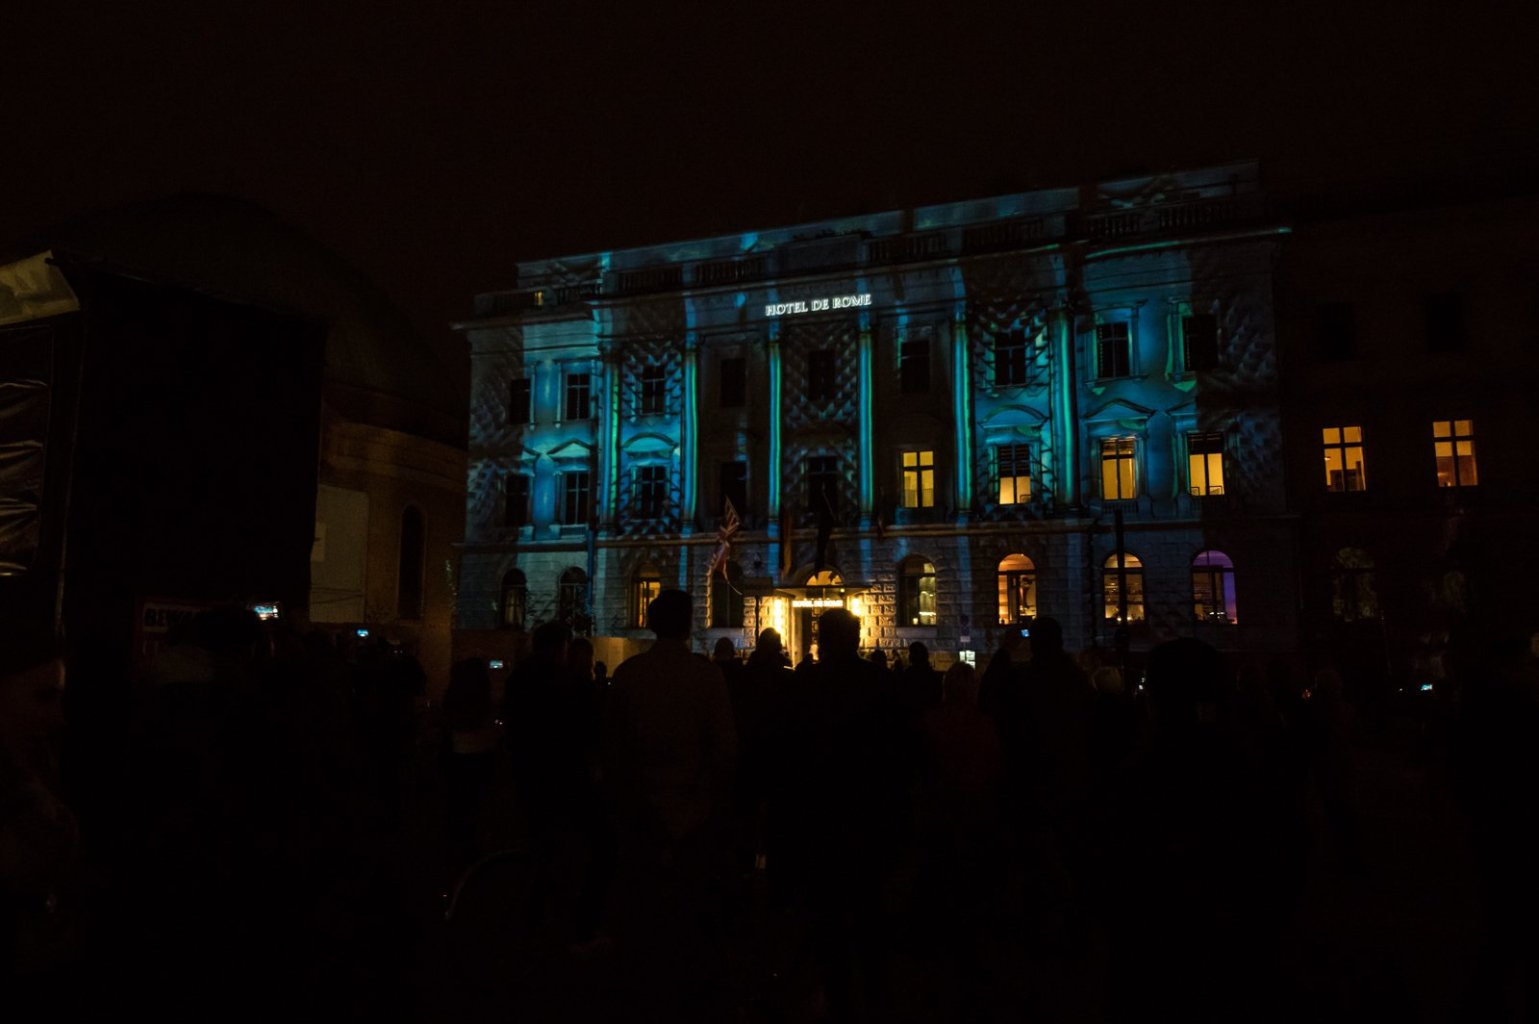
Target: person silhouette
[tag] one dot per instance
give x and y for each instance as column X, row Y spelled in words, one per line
column 669, row 752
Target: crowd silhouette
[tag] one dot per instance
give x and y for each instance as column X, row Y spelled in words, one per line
column 721, row 837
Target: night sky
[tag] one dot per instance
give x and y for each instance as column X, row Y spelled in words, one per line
column 433, row 145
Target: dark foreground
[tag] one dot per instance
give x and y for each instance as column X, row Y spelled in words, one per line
column 1393, row 938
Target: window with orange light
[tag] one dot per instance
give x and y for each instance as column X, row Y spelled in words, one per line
column 1111, row 588
column 1345, row 469
column 1453, row 446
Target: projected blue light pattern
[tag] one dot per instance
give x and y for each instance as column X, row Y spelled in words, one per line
column 1036, row 326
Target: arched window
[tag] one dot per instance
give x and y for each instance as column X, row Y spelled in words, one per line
column 1133, row 570
column 409, row 578
column 727, row 599
column 1213, row 587
column 1017, row 590
column 1353, row 595
column 515, row 598
column 916, row 592
column 571, row 595
column 646, row 585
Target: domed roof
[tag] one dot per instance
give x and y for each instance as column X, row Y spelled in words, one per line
column 379, row 370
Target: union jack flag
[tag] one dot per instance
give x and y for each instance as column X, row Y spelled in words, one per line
column 724, row 534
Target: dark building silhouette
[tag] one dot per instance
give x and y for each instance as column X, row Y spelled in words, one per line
column 204, row 405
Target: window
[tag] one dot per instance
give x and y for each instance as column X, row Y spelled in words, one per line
column 1017, row 590
column 1111, row 589
column 1344, row 470
column 727, row 599
column 515, row 598
column 734, row 487
column 1453, row 444
column 1445, row 322
column 1119, row 472
column 518, row 400
column 572, row 595
column 1205, row 464
column 1213, row 587
column 647, row 585
column 1012, row 463
column 823, row 483
column 574, row 498
column 515, row 502
column 1199, row 336
column 409, row 578
column 653, row 398
column 820, row 374
column 651, row 491
column 578, row 390
column 916, row 593
column 734, row 383
column 1353, row 596
column 1113, row 356
column 1335, row 331
column 1010, row 359
column 918, row 479
column 914, row 367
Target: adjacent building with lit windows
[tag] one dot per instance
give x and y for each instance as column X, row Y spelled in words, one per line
column 968, row 398
column 1408, row 355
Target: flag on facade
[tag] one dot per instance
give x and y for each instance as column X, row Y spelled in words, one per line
column 787, row 541
column 825, row 530
column 730, row 524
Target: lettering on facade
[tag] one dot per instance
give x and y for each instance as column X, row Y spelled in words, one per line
column 823, row 305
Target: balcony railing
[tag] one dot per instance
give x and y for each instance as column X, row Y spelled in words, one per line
column 1174, row 218
column 908, row 248
column 729, row 271
column 1002, row 235
column 651, row 279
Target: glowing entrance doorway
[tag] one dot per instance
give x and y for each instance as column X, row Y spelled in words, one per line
column 822, row 591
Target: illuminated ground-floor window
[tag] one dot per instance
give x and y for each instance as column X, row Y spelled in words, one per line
column 515, row 598
column 916, row 593
column 1213, row 587
column 1112, row 592
column 648, row 583
column 1017, row 590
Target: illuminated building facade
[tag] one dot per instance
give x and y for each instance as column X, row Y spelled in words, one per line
column 967, row 398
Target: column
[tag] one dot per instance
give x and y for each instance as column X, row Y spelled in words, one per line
column 689, row 435
column 542, row 499
column 773, row 484
column 609, row 437
column 962, row 406
column 1060, row 332
column 867, row 467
